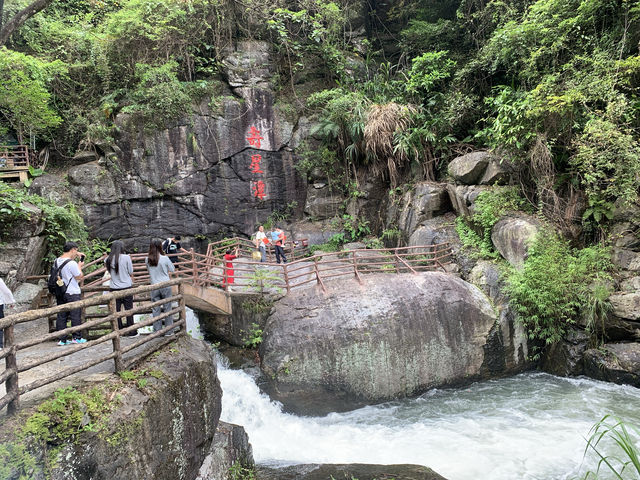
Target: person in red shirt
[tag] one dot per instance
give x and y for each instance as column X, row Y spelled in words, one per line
column 228, row 270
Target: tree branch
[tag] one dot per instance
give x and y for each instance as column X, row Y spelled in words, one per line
column 21, row 17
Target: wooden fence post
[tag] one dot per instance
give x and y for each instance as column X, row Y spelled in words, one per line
column 286, row 277
column 183, row 311
column 11, row 362
column 194, row 268
column 116, row 340
column 355, row 266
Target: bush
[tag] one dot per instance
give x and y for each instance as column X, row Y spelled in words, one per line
column 62, row 223
column 608, row 163
column 554, row 286
column 475, row 232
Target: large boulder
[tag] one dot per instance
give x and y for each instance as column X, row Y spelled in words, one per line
column 442, row 229
column 418, row 203
column 614, row 362
column 626, row 305
column 389, row 337
column 512, row 236
column 23, row 247
column 468, row 169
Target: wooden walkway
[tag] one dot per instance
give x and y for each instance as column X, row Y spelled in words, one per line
column 202, row 282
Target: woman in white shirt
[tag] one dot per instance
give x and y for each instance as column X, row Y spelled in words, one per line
column 6, row 297
column 120, row 268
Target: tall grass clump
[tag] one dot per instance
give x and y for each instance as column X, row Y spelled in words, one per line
column 625, row 463
column 558, row 285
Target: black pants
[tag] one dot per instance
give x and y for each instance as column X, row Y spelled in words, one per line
column 75, row 315
column 127, row 303
column 280, row 253
column 1, row 329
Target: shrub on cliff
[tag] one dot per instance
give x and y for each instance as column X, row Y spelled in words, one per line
column 61, row 223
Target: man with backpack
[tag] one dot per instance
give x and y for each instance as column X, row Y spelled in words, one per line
column 171, row 246
column 63, row 280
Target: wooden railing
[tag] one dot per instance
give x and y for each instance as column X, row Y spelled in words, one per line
column 211, row 271
column 14, row 161
column 109, row 323
column 292, row 249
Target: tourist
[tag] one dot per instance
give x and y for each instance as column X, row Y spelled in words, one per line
column 228, row 271
column 171, row 246
column 159, row 267
column 6, row 297
column 279, row 238
column 70, row 272
column 120, row 269
column 261, row 242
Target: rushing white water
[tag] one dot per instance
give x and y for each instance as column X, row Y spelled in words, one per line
column 532, row 426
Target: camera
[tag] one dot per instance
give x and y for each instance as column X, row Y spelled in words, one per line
column 82, row 258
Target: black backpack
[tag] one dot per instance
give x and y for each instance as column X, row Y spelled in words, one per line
column 55, row 284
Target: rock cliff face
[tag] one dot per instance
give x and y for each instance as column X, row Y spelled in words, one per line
column 392, row 336
column 168, row 430
column 161, row 429
column 221, row 170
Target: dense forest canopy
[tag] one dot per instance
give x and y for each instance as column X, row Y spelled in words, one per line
column 551, row 84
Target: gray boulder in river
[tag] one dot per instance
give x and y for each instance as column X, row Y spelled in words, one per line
column 391, row 336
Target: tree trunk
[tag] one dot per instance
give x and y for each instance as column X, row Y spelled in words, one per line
column 1, row 11
column 21, row 17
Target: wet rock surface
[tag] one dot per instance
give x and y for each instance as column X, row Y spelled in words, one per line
column 230, row 446
column 565, row 358
column 614, row 362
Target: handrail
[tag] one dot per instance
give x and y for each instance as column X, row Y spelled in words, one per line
column 14, row 368
column 210, row 270
column 14, row 157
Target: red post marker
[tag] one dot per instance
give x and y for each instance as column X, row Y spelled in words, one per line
column 255, row 164
column 254, row 137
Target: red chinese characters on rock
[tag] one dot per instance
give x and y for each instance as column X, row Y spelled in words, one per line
column 255, row 164
column 254, row 137
column 258, row 187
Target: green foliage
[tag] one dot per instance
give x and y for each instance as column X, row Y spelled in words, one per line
column 67, row 414
column 25, row 101
column 253, row 336
column 429, row 71
column 158, row 96
column 623, row 465
column 509, row 125
column 552, row 289
column 475, row 232
column 264, row 279
column 240, row 471
column 608, row 163
column 355, row 228
column 62, row 223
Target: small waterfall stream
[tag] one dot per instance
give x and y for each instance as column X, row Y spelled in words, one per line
column 532, row 426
